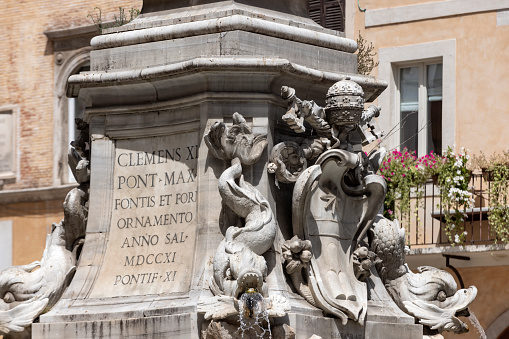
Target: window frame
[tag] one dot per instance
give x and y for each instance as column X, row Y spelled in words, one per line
column 73, row 61
column 11, row 176
column 390, row 59
column 422, row 103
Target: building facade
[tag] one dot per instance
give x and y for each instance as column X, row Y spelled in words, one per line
column 43, row 43
column 444, row 62
column 445, row 65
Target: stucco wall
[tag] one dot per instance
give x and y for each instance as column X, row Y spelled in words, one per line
column 482, row 105
column 30, row 224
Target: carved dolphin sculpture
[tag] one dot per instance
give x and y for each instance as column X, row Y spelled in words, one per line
column 17, row 318
column 37, row 290
column 431, row 296
column 238, row 263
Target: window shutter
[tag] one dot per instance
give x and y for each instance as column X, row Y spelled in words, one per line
column 328, row 13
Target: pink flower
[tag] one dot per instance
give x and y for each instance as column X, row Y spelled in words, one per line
column 389, row 211
column 403, row 175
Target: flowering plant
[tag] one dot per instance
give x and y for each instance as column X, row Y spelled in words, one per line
column 404, row 172
column 455, row 194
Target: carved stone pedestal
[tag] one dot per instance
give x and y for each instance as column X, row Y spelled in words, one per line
column 184, row 217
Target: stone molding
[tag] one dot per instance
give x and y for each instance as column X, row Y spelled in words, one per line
column 371, row 86
column 220, row 25
column 498, row 326
column 433, row 10
column 35, row 194
column 503, row 18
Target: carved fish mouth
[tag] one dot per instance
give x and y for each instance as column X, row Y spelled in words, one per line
column 459, row 302
column 249, row 279
column 462, row 313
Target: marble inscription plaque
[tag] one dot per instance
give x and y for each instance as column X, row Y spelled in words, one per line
column 7, row 159
column 152, row 232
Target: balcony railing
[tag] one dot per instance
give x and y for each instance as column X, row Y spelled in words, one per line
column 425, row 224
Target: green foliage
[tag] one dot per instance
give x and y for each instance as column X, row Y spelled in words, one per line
column 498, row 216
column 455, row 194
column 120, row 20
column 365, row 56
column 406, row 175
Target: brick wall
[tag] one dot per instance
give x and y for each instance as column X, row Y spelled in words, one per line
column 26, row 75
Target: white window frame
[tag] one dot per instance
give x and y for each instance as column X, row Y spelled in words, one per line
column 11, row 176
column 5, row 244
column 73, row 61
column 390, row 61
column 422, row 114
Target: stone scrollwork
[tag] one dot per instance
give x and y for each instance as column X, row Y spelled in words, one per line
column 431, row 295
column 35, row 291
column 333, row 210
column 287, row 161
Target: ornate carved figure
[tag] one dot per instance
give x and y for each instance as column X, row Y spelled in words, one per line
column 431, row 295
column 336, row 198
column 37, row 290
column 297, row 254
column 333, row 207
column 236, row 141
column 247, row 222
column 342, row 123
column 238, row 264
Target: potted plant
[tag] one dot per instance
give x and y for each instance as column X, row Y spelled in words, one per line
column 455, row 195
column 481, row 162
column 406, row 175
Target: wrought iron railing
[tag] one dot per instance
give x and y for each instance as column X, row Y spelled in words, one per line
column 425, row 224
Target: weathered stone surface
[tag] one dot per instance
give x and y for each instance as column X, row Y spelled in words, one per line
column 153, row 222
column 283, row 332
column 431, row 295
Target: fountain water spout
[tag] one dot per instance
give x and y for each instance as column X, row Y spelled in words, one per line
column 253, row 315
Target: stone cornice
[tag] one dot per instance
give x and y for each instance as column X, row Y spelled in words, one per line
column 35, row 194
column 372, row 87
column 432, row 10
column 225, row 24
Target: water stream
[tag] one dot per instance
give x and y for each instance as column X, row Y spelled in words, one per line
column 477, row 325
column 253, row 315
